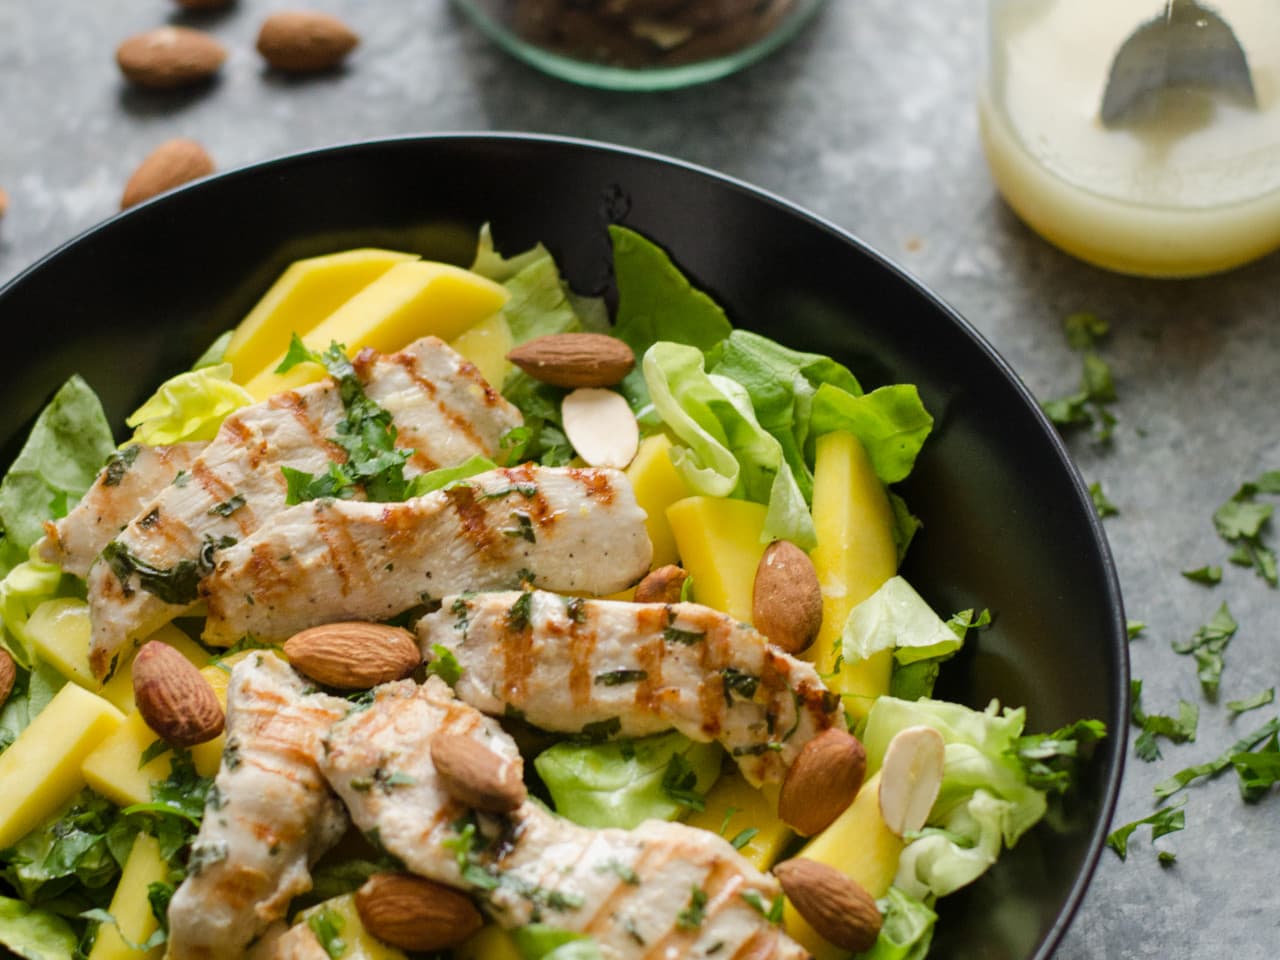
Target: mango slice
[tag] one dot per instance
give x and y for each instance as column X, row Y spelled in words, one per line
column 657, row 486
column 486, row 345
column 409, row 301
column 130, row 906
column 732, row 806
column 491, row 943
column 855, row 555
column 307, row 292
column 719, row 545
column 859, row 845
column 41, row 769
column 359, row 943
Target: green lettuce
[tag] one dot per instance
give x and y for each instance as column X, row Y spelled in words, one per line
column 907, row 928
column 540, row 941
column 891, row 423
column 79, row 850
column 34, row 934
column 985, row 802
column 190, row 406
column 64, row 451
column 31, row 693
column 723, row 449
column 625, row 782
column 24, row 588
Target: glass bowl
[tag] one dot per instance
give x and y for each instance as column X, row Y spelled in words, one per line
column 640, row 44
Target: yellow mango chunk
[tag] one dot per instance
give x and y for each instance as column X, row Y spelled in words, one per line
column 657, row 486
column 491, row 943
column 360, row 943
column 486, row 345
column 409, row 301
column 307, row 292
column 719, row 545
column 130, row 906
column 41, row 769
column 112, row 769
column 119, row 689
column 60, row 631
column 733, row 805
column 855, row 555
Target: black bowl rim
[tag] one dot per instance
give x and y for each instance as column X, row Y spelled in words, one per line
column 1118, row 639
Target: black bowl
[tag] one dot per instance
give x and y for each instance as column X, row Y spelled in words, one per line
column 1008, row 523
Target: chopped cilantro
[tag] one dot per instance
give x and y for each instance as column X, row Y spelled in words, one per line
column 691, row 917
column 680, row 783
column 600, row 730
column 1208, row 575
column 520, row 612
column 444, row 664
column 772, row 913
column 1134, row 628
column 118, row 464
column 1242, row 522
column 227, row 507
column 1103, row 506
column 1180, row 729
column 686, row 637
column 1211, row 768
column 327, row 926
column 743, row 837
column 622, row 871
column 523, row 529
column 1164, row 821
column 1207, row 645
column 616, row 678
column 736, row 681
column 1087, row 406
column 1262, row 699
column 1259, row 770
column 156, row 749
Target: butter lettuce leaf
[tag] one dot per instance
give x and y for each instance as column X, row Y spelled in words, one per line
column 34, row 934
column 190, row 406
column 985, row 802
column 24, row 588
column 623, row 783
column 64, row 451
column 897, row 618
column 907, row 928
column 891, row 422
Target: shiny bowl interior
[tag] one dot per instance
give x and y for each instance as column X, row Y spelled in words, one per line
column 1008, row 523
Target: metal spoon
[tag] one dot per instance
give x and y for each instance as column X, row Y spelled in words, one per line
column 1187, row 45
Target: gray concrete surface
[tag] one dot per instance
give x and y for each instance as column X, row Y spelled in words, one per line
column 868, row 119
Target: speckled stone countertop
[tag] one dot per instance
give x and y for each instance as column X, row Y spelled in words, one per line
column 867, row 119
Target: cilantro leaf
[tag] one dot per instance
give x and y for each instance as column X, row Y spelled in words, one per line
column 1211, row 768
column 1207, row 575
column 1179, row 729
column 1086, row 406
column 1103, row 506
column 1134, row 628
column 1164, row 821
column 1258, row 771
column 1207, row 645
column 1242, row 522
column 1262, row 699
column 680, row 782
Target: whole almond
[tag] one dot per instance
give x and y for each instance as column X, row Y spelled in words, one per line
column 169, row 165
column 663, row 585
column 786, row 599
column 822, row 781
column 173, row 698
column 8, row 673
column 476, row 776
column 303, row 41
column 575, row 359
column 169, row 57
column 4, row 201
column 837, row 908
column 416, row 914
column 354, row 655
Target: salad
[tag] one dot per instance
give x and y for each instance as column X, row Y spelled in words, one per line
column 438, row 612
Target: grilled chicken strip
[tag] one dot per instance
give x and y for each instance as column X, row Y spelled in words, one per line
column 269, row 815
column 443, row 411
column 605, row 667
column 132, row 477
column 579, row 531
column 661, row 890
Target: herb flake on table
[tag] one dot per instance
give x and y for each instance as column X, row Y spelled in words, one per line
column 1262, row 699
column 1207, row 645
column 1164, row 821
column 1179, row 729
column 1101, row 503
column 1207, row 575
column 1088, row 405
column 1212, row 768
column 1242, row 521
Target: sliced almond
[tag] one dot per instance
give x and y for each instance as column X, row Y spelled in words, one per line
column 475, row 775
column 8, row 673
column 173, row 698
column 910, row 778
column 786, row 599
column 663, row 585
column 822, row 782
column 575, row 359
column 354, row 655
column 838, row 908
column 416, row 914
column 601, row 427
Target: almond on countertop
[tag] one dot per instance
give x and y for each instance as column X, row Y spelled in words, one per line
column 786, row 601
column 8, row 673
column 575, row 359
column 173, row 698
column 837, row 908
column 822, row 782
column 416, row 914
column 169, row 165
column 354, row 655
column 304, row 41
column 4, row 201
column 476, row 776
column 663, row 585
column 169, row 57
column 600, row 425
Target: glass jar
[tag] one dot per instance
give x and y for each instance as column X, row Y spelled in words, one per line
column 1185, row 179
column 640, row 44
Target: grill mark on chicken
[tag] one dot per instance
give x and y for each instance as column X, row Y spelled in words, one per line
column 596, row 486
column 291, row 429
column 349, row 560
column 705, row 675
